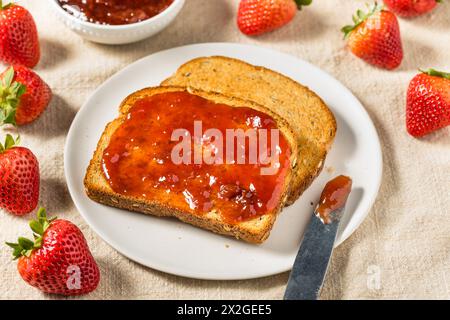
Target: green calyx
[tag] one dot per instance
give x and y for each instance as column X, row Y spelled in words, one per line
column 24, row 246
column 10, row 93
column 301, row 3
column 9, row 143
column 6, row 6
column 360, row 17
column 435, row 73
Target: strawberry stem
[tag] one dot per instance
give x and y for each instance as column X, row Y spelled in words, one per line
column 301, row 3
column 435, row 73
column 10, row 93
column 24, row 246
column 360, row 17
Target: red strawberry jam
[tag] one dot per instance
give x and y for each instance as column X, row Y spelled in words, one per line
column 333, row 197
column 114, row 12
column 139, row 162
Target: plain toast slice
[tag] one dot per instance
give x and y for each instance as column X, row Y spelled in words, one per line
column 254, row 231
column 312, row 121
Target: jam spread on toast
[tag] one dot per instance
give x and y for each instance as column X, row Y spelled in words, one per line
column 333, row 197
column 138, row 161
column 114, row 12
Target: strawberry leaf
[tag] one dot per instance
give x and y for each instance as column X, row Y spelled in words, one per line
column 25, row 247
column 360, row 17
column 38, row 243
column 21, row 90
column 25, row 243
column 435, row 73
column 301, row 3
column 17, row 249
column 12, row 245
column 9, row 143
column 42, row 215
column 39, row 226
column 8, row 77
column 347, row 30
column 36, row 227
column 6, row 6
column 10, row 93
column 17, row 252
column 9, row 116
column 27, row 253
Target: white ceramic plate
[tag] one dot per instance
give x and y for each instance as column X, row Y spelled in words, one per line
column 178, row 248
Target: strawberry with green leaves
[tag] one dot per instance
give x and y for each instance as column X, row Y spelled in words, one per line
column 411, row 8
column 375, row 37
column 428, row 102
column 19, row 178
column 19, row 42
column 58, row 259
column 23, row 95
column 256, row 17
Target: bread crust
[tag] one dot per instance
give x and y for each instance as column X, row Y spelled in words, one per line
column 313, row 123
column 253, row 231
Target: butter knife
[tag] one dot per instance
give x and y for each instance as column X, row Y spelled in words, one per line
column 312, row 260
column 313, row 257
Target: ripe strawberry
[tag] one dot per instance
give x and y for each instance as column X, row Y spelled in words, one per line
column 58, row 260
column 428, row 102
column 256, row 17
column 375, row 37
column 19, row 42
column 19, row 178
column 25, row 95
column 411, row 8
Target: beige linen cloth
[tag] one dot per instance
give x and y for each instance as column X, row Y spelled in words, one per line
column 402, row 250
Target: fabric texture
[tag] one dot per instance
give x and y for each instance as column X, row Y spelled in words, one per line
column 402, row 250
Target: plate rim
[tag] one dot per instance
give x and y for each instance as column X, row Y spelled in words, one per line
column 168, row 269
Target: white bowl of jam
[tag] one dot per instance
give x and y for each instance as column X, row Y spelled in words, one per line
column 116, row 21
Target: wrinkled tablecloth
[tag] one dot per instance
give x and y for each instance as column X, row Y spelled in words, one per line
column 402, row 250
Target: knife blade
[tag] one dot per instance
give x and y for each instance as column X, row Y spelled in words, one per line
column 313, row 257
column 312, row 260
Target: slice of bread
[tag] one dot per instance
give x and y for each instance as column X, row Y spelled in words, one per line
column 313, row 123
column 254, row 231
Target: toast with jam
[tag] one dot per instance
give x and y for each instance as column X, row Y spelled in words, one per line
column 312, row 122
column 161, row 156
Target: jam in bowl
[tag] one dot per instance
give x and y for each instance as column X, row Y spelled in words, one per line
column 116, row 21
column 114, row 12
